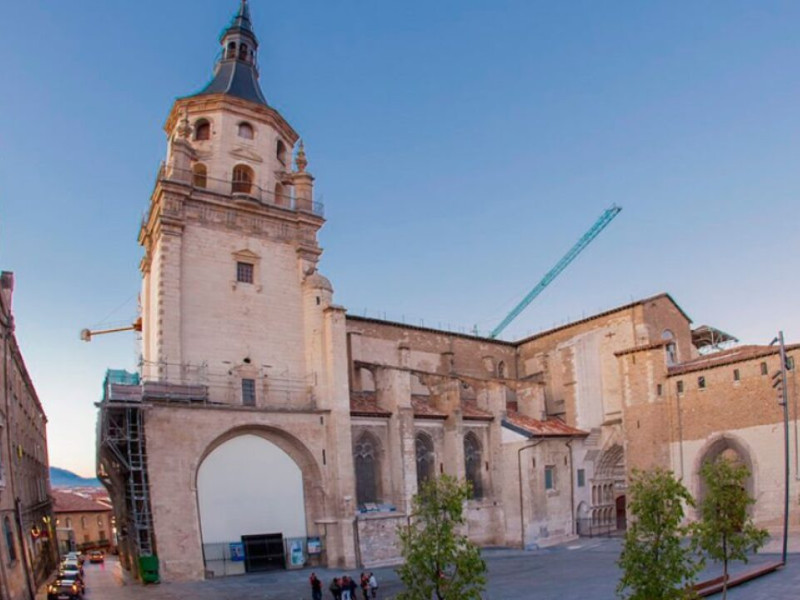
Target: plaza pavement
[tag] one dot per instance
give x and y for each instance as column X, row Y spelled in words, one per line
column 584, row 570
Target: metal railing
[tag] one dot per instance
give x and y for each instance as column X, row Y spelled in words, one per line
column 241, row 187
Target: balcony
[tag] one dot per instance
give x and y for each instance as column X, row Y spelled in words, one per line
column 241, row 188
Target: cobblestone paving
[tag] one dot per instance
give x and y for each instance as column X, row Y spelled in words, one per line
column 585, row 570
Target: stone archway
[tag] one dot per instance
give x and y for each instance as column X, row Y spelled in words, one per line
column 258, row 496
column 732, row 448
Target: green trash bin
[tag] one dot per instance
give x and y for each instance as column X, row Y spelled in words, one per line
column 148, row 568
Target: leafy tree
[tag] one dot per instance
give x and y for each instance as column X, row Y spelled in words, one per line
column 725, row 531
column 656, row 563
column 440, row 562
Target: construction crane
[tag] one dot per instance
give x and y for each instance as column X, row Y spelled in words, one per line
column 587, row 238
column 87, row 334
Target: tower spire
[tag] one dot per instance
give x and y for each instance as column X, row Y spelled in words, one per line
column 236, row 72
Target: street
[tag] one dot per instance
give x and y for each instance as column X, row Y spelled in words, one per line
column 585, row 570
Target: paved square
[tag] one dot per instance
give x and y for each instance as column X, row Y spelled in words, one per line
column 584, row 570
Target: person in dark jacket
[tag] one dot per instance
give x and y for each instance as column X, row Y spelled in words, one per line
column 336, row 589
column 316, row 587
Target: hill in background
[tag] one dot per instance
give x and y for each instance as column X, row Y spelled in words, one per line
column 64, row 478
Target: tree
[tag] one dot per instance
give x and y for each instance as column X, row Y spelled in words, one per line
column 725, row 531
column 656, row 563
column 440, row 562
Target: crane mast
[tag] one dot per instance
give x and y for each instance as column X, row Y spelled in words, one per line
column 562, row 264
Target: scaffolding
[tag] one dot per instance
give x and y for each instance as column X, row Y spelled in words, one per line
column 122, row 460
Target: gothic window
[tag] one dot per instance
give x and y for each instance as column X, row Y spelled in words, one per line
column 248, row 392
column 9, row 535
column 426, row 459
column 242, row 179
column 231, row 52
column 366, row 460
column 246, row 131
column 199, row 175
column 69, row 522
column 202, row 130
column 672, row 353
column 83, row 522
column 280, row 152
column 473, row 461
column 501, row 370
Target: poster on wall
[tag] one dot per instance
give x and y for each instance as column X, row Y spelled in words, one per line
column 296, row 555
column 314, row 545
column 237, row 551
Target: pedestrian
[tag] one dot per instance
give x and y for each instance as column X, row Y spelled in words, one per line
column 316, row 587
column 352, row 587
column 336, row 589
column 345, row 587
column 364, row 586
column 373, row 585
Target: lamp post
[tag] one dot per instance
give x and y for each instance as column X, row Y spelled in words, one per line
column 779, row 382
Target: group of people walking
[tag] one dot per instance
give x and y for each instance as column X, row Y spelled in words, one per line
column 346, row 588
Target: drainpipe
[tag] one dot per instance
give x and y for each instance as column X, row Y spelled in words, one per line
column 571, row 486
column 521, row 498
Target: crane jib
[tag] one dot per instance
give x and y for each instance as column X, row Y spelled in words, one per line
column 562, row 264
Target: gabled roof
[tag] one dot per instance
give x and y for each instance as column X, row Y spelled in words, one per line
column 70, row 502
column 530, row 427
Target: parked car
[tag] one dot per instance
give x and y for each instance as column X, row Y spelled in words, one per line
column 72, row 575
column 96, row 556
column 64, row 589
column 75, row 556
column 72, row 565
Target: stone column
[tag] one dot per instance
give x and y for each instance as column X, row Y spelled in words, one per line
column 394, row 394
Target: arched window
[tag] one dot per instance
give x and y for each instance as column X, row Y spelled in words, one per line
column 473, row 461
column 243, row 52
column 199, row 175
column 242, row 179
column 9, row 535
column 202, row 130
column 83, row 522
column 426, row 459
column 366, row 458
column 281, row 198
column 69, row 522
column 280, row 152
column 246, row 131
column 501, row 370
column 231, row 52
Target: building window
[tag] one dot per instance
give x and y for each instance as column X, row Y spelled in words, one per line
column 680, row 387
column 280, row 152
column 736, row 376
column 8, row 532
column 281, row 199
column 69, row 522
column 550, row 477
column 83, row 522
column 231, row 52
column 99, row 520
column 581, row 477
column 426, row 459
column 199, row 175
column 246, row 131
column 102, row 536
column 659, row 389
column 244, row 272
column 249, row 392
column 242, row 179
column 202, row 130
column 365, row 459
column 243, row 52
column 473, row 461
column 672, row 353
column 501, row 370
column 790, row 363
column 764, row 369
column 701, row 382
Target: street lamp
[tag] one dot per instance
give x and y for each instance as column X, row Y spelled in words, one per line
column 779, row 383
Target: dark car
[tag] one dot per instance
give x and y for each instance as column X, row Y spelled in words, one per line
column 64, row 589
column 72, row 576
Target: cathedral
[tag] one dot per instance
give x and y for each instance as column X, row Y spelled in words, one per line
column 268, row 428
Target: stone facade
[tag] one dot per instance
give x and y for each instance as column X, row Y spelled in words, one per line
column 241, row 337
column 27, row 527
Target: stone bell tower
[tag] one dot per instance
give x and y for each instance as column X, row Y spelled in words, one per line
column 240, row 333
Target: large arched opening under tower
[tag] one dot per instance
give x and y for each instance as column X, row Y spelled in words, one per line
column 256, row 502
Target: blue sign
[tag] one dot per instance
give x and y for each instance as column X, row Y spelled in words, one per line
column 237, row 552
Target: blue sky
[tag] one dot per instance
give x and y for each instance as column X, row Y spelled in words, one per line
column 460, row 148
